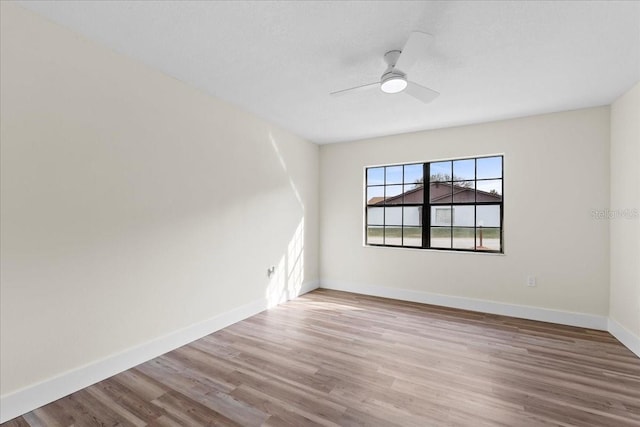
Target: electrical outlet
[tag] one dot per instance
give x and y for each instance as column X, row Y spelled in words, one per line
column 531, row 281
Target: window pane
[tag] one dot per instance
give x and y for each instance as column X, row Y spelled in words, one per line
column 413, row 174
column 375, row 176
column 464, row 192
column 393, row 216
column 440, row 192
column 463, row 216
column 488, row 216
column 412, row 215
column 490, row 191
column 374, row 235
column 412, row 236
column 440, row 237
column 441, row 216
column 393, row 175
column 393, row 236
column 375, row 195
column 393, row 195
column 413, row 194
column 464, row 169
column 463, row 238
column 488, row 239
column 375, row 216
column 440, row 171
column 489, row 167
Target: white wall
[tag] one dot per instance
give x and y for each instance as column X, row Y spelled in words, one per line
column 624, row 216
column 132, row 204
column 556, row 171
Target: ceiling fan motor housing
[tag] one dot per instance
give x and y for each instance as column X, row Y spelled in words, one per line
column 392, row 80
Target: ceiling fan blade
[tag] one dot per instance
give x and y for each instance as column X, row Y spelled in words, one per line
column 413, row 49
column 421, row 93
column 355, row 89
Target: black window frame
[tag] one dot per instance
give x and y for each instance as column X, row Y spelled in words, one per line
column 426, row 205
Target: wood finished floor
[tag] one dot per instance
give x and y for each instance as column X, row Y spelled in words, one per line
column 338, row 359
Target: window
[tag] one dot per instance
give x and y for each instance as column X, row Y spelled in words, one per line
column 461, row 208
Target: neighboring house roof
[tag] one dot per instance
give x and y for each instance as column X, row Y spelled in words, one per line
column 440, row 193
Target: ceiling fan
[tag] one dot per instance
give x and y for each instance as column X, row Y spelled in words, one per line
column 394, row 79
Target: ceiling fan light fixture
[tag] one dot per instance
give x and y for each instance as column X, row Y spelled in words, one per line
column 394, row 84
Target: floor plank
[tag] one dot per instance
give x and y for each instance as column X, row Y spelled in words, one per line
column 333, row 358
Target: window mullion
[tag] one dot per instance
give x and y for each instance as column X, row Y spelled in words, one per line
column 426, row 206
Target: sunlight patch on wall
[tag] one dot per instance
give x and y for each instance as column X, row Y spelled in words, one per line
column 286, row 281
column 284, row 167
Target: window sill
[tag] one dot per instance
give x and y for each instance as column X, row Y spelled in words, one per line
column 448, row 251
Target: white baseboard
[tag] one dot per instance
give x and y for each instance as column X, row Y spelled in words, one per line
column 308, row 287
column 34, row 396
column 625, row 336
column 582, row 320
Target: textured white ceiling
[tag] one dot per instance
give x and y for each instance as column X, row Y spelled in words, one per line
column 280, row 60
